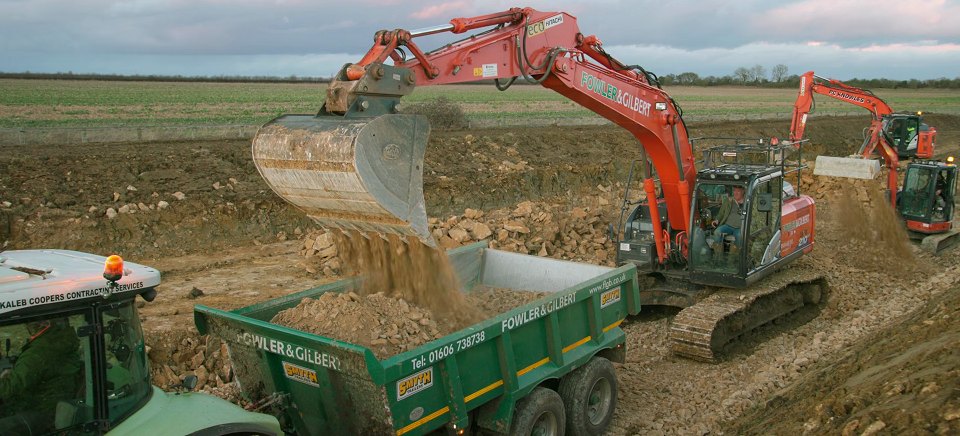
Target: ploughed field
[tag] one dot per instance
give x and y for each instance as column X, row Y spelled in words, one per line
column 878, row 356
column 83, row 103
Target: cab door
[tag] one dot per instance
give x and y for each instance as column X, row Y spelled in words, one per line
column 764, row 221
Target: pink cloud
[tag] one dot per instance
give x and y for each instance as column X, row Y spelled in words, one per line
column 445, row 10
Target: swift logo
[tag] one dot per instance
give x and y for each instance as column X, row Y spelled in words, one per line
column 415, row 383
column 610, row 297
column 301, row 374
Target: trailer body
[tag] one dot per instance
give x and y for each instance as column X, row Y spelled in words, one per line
column 319, row 385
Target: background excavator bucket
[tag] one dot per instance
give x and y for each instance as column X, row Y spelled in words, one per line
column 850, row 167
column 362, row 174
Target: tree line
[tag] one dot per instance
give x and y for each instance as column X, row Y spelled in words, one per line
column 778, row 77
column 757, row 75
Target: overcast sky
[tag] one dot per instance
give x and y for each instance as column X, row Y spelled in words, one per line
column 898, row 39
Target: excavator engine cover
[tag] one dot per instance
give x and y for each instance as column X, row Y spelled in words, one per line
column 363, row 173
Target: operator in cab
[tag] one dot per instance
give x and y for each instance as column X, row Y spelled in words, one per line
column 46, row 371
column 729, row 218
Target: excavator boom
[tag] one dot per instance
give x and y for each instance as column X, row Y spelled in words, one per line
column 358, row 163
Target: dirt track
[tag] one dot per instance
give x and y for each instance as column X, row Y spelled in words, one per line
column 881, row 350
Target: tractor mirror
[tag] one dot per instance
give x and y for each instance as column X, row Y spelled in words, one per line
column 765, row 202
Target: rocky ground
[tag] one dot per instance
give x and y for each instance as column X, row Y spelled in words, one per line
column 879, row 356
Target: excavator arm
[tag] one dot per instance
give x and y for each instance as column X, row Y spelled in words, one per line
column 811, row 84
column 548, row 48
column 541, row 47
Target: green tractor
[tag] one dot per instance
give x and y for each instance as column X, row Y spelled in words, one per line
column 73, row 360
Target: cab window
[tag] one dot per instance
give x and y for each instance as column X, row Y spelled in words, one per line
column 45, row 375
column 128, row 382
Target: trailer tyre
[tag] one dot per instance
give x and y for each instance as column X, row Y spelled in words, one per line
column 589, row 396
column 539, row 413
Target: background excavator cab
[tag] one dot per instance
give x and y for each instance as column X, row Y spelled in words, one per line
column 926, row 201
column 908, row 134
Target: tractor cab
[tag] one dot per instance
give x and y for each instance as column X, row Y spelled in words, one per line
column 739, row 203
column 926, row 201
column 909, row 135
column 73, row 359
column 77, row 334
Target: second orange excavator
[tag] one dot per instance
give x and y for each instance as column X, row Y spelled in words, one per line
column 926, row 201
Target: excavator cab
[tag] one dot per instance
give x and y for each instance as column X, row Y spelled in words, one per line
column 735, row 232
column 746, row 218
column 739, row 206
column 926, row 201
column 909, row 135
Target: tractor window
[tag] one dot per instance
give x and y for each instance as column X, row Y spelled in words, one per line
column 45, row 375
column 765, row 203
column 717, row 219
column 128, row 381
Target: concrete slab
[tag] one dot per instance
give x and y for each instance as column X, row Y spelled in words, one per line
column 850, row 167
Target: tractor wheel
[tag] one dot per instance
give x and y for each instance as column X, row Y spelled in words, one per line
column 589, row 396
column 540, row 413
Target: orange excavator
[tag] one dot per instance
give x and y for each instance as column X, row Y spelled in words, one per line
column 892, row 135
column 357, row 165
column 926, row 202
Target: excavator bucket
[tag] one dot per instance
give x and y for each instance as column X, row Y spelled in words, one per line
column 349, row 173
column 850, row 167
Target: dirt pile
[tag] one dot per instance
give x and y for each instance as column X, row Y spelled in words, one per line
column 862, row 210
column 902, row 379
column 540, row 228
column 384, row 324
column 390, row 325
column 173, row 357
column 139, row 200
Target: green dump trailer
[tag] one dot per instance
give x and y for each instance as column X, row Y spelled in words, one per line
column 542, row 367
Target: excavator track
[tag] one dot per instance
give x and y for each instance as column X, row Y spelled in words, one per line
column 700, row 332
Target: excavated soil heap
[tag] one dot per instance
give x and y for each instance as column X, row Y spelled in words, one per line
column 389, row 325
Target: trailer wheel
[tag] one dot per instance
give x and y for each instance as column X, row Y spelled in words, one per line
column 589, row 396
column 539, row 413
